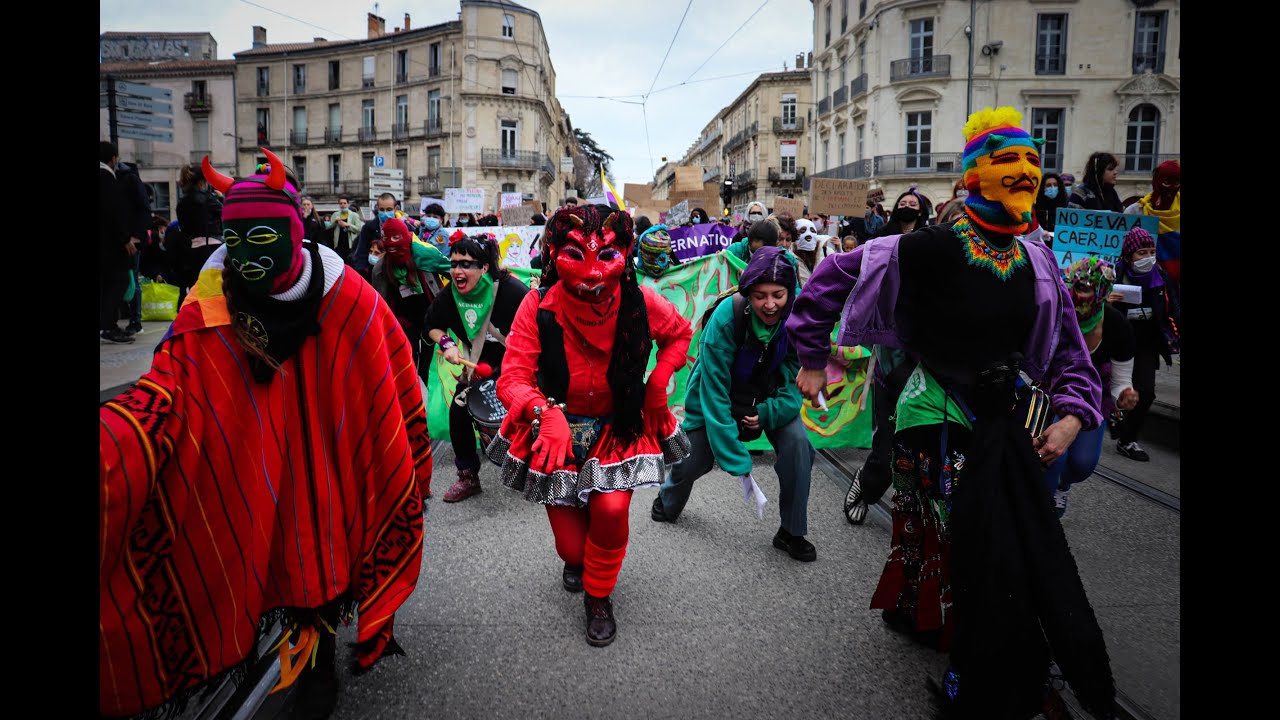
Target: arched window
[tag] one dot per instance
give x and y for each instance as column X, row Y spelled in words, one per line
column 1143, row 142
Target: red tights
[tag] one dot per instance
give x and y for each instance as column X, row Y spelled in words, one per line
column 594, row 537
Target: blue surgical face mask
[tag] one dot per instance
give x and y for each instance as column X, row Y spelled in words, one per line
column 385, row 216
column 373, row 259
column 1051, row 192
column 431, row 224
column 463, row 222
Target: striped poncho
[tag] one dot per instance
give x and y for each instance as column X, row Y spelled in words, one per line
column 225, row 501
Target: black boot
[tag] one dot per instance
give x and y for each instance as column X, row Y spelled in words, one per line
column 659, row 511
column 795, row 545
column 318, row 687
column 572, row 578
column 601, row 628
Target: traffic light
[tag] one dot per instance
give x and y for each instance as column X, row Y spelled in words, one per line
column 726, row 192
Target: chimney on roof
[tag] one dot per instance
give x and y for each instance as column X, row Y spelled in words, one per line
column 799, row 61
column 406, row 21
column 259, row 37
column 808, row 61
column 377, row 26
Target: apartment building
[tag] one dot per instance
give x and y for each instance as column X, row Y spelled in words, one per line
column 464, row 103
column 896, row 80
column 757, row 141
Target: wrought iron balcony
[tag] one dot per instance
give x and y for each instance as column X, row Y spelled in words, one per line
column 744, row 179
column 734, row 142
column 1051, row 64
column 197, row 104
column 297, row 137
column 322, row 188
column 824, row 106
column 855, row 170
column 858, row 87
column 333, row 135
column 402, row 76
column 1142, row 62
column 791, row 176
column 510, row 159
column 433, row 127
column 358, row 189
column 753, row 130
column 428, row 184
column 366, row 82
column 447, row 177
column 400, row 131
column 299, row 87
column 264, row 90
column 780, row 127
column 709, row 175
column 548, row 168
column 840, row 96
column 367, row 134
column 918, row 163
column 433, row 71
column 920, row 67
column 1142, row 163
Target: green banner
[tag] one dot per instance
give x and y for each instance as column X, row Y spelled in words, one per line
column 693, row 288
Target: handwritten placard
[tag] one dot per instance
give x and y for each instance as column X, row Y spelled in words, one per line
column 678, row 214
column 1080, row 233
column 829, row 196
column 875, row 196
column 688, row 179
column 512, row 199
column 464, row 200
column 517, row 215
column 791, row 206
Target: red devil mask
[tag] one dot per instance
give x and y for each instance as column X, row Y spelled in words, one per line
column 590, row 255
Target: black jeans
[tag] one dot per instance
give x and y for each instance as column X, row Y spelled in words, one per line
column 462, row 433
column 1145, row 363
column 111, row 287
column 876, row 473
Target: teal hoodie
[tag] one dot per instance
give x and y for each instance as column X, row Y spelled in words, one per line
column 707, row 394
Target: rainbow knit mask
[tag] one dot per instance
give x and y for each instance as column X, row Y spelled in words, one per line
column 1001, row 171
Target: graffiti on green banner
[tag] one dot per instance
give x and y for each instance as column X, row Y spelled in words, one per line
column 693, row 288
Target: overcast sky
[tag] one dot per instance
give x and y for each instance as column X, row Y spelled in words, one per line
column 606, row 47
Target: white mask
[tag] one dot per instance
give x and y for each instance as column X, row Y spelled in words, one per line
column 1145, row 264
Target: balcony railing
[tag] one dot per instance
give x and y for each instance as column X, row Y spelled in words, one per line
column 858, row 87
column 263, row 90
column 197, row 104
column 744, row 179
column 754, row 130
column 780, row 127
column 548, row 167
column 321, row 188
column 299, row 87
column 790, row 176
column 333, row 135
column 297, row 137
column 400, row 131
column 824, row 106
column 433, row 71
column 840, row 96
column 856, row 170
column 1143, row 62
column 368, row 134
column 918, row 163
column 446, row 178
column 510, row 159
column 433, row 127
column 715, row 135
column 402, row 76
column 358, row 189
column 366, row 82
column 920, row 67
column 1051, row 64
column 709, row 175
column 1143, row 163
column 428, row 184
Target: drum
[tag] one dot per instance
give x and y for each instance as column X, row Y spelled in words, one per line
column 486, row 410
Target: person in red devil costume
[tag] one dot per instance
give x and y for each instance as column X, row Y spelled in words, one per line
column 245, row 479
column 583, row 428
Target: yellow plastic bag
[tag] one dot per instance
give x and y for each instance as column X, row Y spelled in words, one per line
column 159, row 302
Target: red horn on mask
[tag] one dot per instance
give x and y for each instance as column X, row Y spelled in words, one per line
column 220, row 182
column 275, row 180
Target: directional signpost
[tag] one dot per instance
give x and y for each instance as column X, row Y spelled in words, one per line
column 384, row 180
column 137, row 111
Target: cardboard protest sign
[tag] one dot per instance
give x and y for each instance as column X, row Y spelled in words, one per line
column 678, row 214
column 517, row 215
column 793, row 206
column 828, row 196
column 875, row 196
column 637, row 194
column 511, row 199
column 464, row 200
column 1080, row 233
column 688, row 179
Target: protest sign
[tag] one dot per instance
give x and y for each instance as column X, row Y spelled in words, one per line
column 698, row 240
column 637, row 194
column 688, row 179
column 464, row 200
column 828, row 196
column 678, row 214
column 517, row 215
column 875, row 196
column 792, row 206
column 1079, row 233
column 511, row 199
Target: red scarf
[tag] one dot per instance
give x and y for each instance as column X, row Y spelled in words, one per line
column 595, row 322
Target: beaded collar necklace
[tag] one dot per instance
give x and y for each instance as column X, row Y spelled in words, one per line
column 1002, row 263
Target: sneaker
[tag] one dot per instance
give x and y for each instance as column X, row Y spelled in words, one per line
column 1060, row 501
column 855, row 511
column 1132, row 450
column 133, row 328
column 116, row 335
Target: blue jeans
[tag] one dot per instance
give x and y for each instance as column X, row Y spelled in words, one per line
column 1078, row 462
column 794, row 468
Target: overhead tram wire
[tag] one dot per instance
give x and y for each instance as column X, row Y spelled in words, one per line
column 655, row 82
column 726, row 41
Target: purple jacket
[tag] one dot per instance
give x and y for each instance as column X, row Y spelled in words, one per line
column 861, row 289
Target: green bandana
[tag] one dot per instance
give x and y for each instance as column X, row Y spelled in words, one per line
column 763, row 333
column 1087, row 326
column 473, row 307
column 404, row 277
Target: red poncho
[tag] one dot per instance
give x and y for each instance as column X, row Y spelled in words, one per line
column 223, row 499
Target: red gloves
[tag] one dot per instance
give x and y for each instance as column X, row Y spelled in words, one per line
column 554, row 444
column 659, row 422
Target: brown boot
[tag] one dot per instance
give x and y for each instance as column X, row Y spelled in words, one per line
column 468, row 484
column 601, row 627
